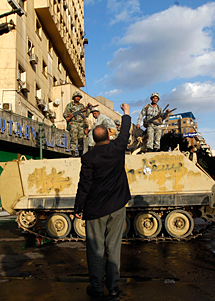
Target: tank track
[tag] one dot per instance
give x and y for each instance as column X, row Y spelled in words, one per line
column 124, row 240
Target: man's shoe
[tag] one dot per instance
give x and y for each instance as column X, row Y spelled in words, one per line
column 93, row 292
column 115, row 292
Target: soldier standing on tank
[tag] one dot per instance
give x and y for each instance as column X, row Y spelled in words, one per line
column 76, row 125
column 154, row 127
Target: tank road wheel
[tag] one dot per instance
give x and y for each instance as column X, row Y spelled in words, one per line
column 27, row 218
column 179, row 223
column 79, row 227
column 126, row 227
column 58, row 225
column 147, row 224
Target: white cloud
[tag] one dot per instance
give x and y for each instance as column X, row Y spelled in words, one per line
column 112, row 93
column 123, row 10
column 196, row 97
column 105, row 77
column 135, row 112
column 175, row 43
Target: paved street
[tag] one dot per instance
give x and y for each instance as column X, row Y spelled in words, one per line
column 163, row 271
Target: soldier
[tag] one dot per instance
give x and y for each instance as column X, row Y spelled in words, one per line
column 76, row 125
column 106, row 122
column 117, row 123
column 153, row 127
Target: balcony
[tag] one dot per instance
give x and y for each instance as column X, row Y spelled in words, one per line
column 48, row 21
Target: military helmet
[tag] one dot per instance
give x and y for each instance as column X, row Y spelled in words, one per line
column 76, row 93
column 155, row 94
column 117, row 122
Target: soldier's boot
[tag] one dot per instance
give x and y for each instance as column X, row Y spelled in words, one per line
column 72, row 153
column 156, row 150
column 149, row 150
column 80, row 152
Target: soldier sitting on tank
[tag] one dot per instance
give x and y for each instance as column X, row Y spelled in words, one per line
column 106, row 122
column 76, row 125
column 117, row 124
column 154, row 127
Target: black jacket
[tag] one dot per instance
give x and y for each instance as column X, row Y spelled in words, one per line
column 103, row 185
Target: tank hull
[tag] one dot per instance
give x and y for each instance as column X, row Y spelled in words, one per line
column 160, row 182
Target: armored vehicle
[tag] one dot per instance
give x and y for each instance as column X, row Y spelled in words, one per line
column 168, row 192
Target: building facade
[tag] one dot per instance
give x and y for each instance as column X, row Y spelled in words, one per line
column 185, row 124
column 42, row 63
column 46, row 49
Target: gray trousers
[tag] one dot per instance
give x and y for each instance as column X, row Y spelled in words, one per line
column 154, row 136
column 103, row 237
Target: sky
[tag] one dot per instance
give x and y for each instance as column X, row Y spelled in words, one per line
column 137, row 47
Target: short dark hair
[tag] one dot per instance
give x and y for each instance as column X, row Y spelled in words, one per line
column 102, row 136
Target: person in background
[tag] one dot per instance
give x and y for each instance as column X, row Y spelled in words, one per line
column 105, row 121
column 153, row 127
column 76, row 125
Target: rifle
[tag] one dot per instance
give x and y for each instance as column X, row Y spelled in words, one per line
column 79, row 112
column 160, row 115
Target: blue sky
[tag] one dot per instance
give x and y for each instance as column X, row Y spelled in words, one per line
column 137, row 47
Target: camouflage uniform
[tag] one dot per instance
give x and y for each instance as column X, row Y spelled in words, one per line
column 106, row 122
column 76, row 125
column 153, row 131
column 117, row 122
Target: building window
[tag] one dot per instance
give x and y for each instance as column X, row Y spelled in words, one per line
column 59, row 65
column 21, row 73
column 38, row 28
column 30, row 115
column 33, row 58
column 50, row 48
column 44, row 69
column 38, row 92
column 54, row 81
column 23, row 86
column 184, row 122
column 30, row 48
column 21, row 77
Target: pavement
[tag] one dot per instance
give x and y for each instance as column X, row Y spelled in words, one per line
column 4, row 213
column 172, row 271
